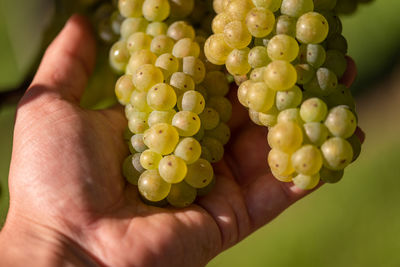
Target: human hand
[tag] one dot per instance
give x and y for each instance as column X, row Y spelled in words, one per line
column 70, row 204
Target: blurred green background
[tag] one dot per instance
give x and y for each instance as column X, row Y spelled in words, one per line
column 353, row 223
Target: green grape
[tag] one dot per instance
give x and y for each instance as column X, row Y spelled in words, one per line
column 312, row 54
column 206, row 190
column 260, row 22
column 355, row 145
column 216, row 50
column 149, row 159
column 179, row 30
column 236, row 35
column 257, row 75
column 215, row 147
column 222, row 133
column 324, row 83
column 192, row 101
column 137, row 143
column 220, row 21
column 161, row 44
column 205, row 153
column 263, row 41
column 306, row 182
column 195, row 68
column 288, row 99
column 216, row 83
column 286, row 136
column 199, row 174
column 239, row 8
column 286, row 25
column 335, row 24
column 219, row 5
column 127, row 134
column 186, row 47
column 152, row 186
column 341, row 96
column 130, row 173
column 337, row 42
column 132, row 25
column 138, row 41
column 346, row 7
column 336, row 62
column 130, row 8
column 138, row 122
column 119, row 56
column 202, row 90
column 209, row 118
column 305, row 73
column 324, row 4
column 138, row 59
column 156, row 10
column 161, row 117
column 237, row 62
column 181, row 195
column 280, row 163
column 280, row 75
column 188, row 149
column 181, row 82
column 290, row 115
column 258, row 57
column 260, row 97
column 313, row 110
column 272, row 5
column 329, row 176
column 138, row 101
column 161, row 138
column 180, row 9
column 172, row 169
column 255, row 117
column 123, row 89
column 337, row 153
column 200, row 134
column 243, row 92
column 283, row 178
column 116, row 20
column 136, row 162
column 341, row 122
column 283, row 47
column 156, row 28
column 269, row 118
column 307, row 160
column 222, row 105
column 147, row 76
column 168, row 64
column 161, row 97
column 129, row 110
column 186, row 122
column 315, row 133
column 296, row 8
column 312, row 28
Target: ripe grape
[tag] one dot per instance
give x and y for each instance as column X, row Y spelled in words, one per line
column 280, row 75
column 307, row 160
column 188, row 149
column 312, row 28
column 260, row 22
column 285, row 136
column 306, row 182
column 199, row 174
column 149, row 159
column 172, row 169
column 181, row 195
column 186, row 122
column 161, row 138
column 337, row 153
column 152, row 186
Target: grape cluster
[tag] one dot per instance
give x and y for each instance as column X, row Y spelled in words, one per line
column 290, row 56
column 174, row 101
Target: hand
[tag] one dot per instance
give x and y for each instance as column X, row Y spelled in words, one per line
column 70, row 204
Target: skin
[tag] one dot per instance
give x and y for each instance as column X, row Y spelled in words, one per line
column 69, row 203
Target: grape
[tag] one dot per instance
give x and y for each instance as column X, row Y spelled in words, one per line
column 161, row 138
column 337, row 42
column 138, row 101
column 305, row 73
column 152, row 186
column 186, row 47
column 222, row 105
column 137, row 143
column 186, row 122
column 312, row 54
column 336, row 62
column 119, row 56
column 195, row 68
column 243, row 92
column 296, row 8
column 315, row 133
column 236, row 34
column 181, row 8
column 219, row 6
column 156, row 10
column 260, row 22
column 306, row 182
column 188, row 149
column 239, row 8
column 215, row 147
column 237, row 62
column 132, row 25
column 179, row 30
column 313, row 110
column 202, row 90
column 356, row 146
column 337, row 153
column 341, row 96
column 272, row 5
column 161, row 44
column 324, row 4
column 288, row 99
column 286, row 25
column 258, row 57
column 129, row 171
column 161, row 97
column 168, row 64
column 255, row 117
column 161, row 117
column 341, row 122
column 290, row 115
column 124, row 88
column 130, row 8
column 156, row 28
column 216, row 83
column 222, row 133
column 329, row 176
column 129, row 110
column 181, row 195
column 147, row 76
column 307, row 160
column 216, row 50
column 335, row 24
column 136, row 162
column 138, row 122
column 280, row 75
column 149, row 159
column 280, row 162
column 172, row 169
column 257, row 75
column 138, row 59
column 283, row 178
column 268, row 118
column 192, row 101
column 283, row 47
column 220, row 21
column 199, row 174
column 259, row 97
column 207, row 189
column 286, row 136
column 138, row 41
column 181, row 82
column 312, row 28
